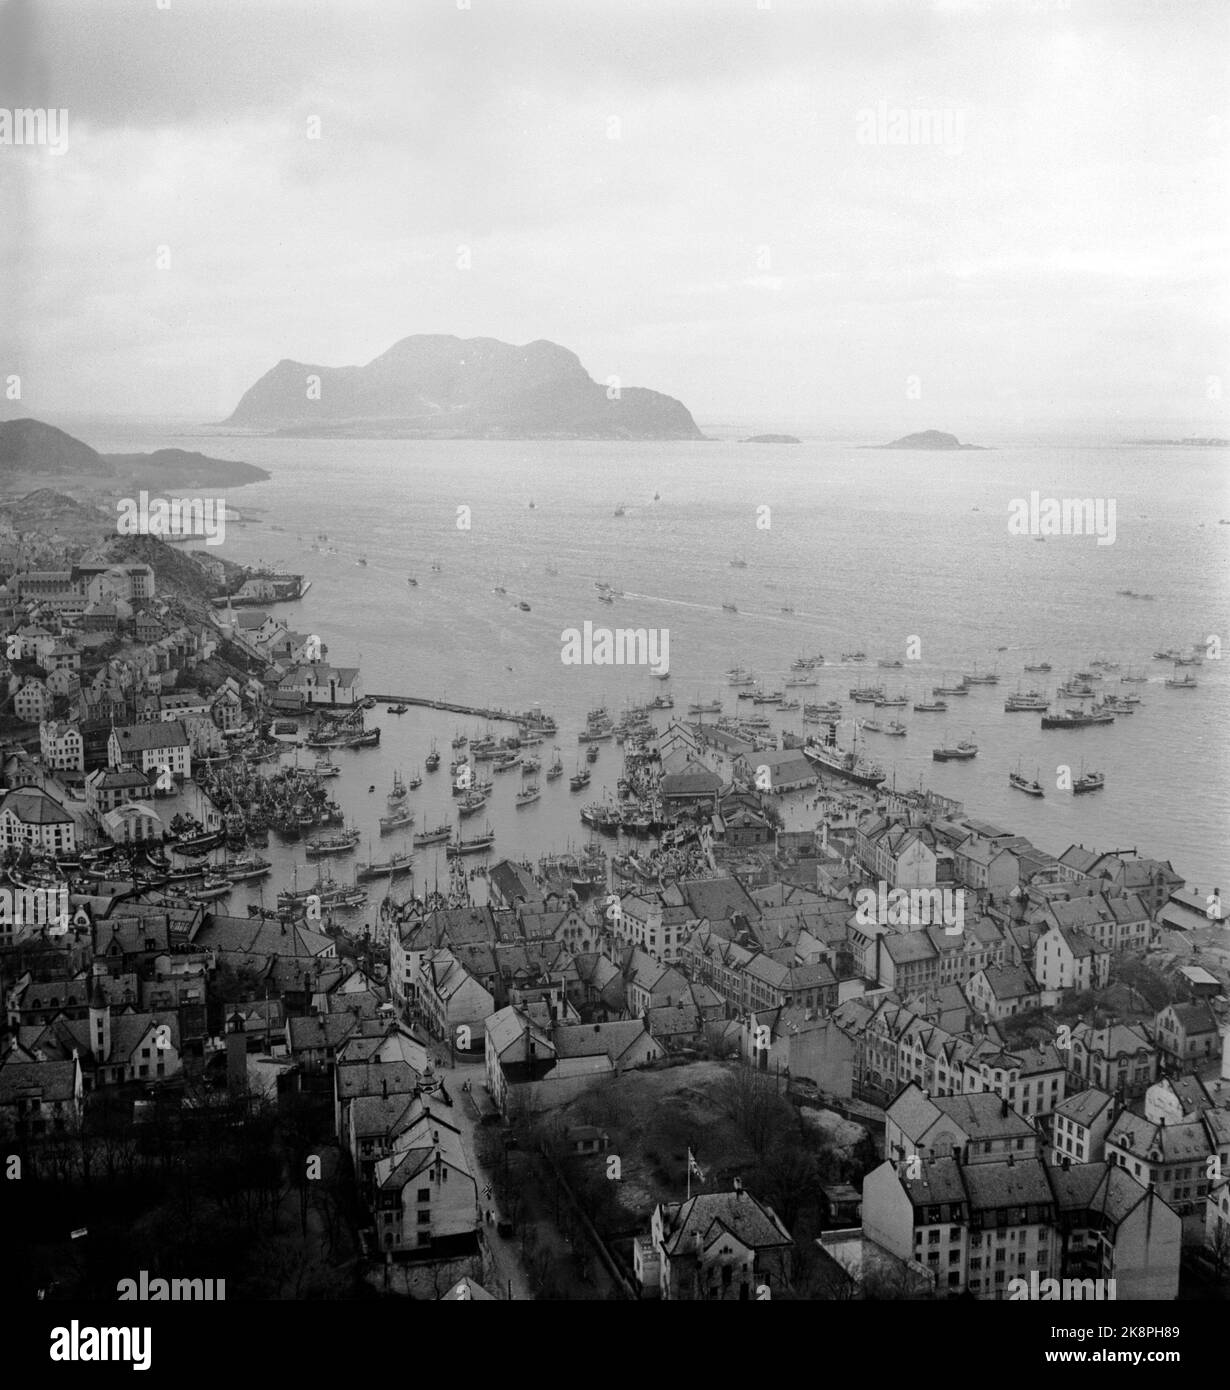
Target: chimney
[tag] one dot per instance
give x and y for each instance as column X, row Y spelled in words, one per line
column 1003, row 1109
column 739, row 1186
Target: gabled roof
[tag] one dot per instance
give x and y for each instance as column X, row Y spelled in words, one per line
column 752, row 1222
column 1085, row 1107
column 136, row 738
column 611, row 1040
column 49, row 1081
column 33, row 806
column 1022, row 1182
column 1194, row 1018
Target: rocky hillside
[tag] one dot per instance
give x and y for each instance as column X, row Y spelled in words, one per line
column 446, row 387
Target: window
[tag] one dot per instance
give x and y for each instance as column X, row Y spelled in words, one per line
column 424, row 1218
column 424, row 1194
column 933, row 1237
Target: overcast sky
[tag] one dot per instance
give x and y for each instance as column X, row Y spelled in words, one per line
column 690, row 195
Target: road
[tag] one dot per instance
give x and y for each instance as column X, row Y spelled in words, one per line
column 503, row 1250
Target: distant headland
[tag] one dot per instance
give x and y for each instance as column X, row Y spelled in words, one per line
column 771, row 439
column 33, row 453
column 440, row 387
column 926, row 439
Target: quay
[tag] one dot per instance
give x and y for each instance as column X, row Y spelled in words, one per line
column 507, row 716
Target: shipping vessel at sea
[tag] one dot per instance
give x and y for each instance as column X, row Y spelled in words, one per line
column 1076, row 719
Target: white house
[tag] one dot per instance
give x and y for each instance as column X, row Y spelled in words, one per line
column 1065, row 958
column 30, row 817
column 61, row 746
column 151, row 747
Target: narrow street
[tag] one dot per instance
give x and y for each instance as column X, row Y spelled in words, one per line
column 510, row 1279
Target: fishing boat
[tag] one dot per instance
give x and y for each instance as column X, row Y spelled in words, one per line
column 579, row 779
column 945, row 690
column 413, row 583
column 340, row 842
column 1116, row 705
column 871, row 726
column 854, row 656
column 1170, row 654
column 556, row 769
column 523, row 606
column 931, row 706
column 1075, row 718
column 738, row 675
column 399, row 862
column 476, row 844
column 737, row 563
column 868, row 694
column 398, row 708
column 1075, row 690
column 460, row 740
column 895, row 728
column 1039, row 666
column 530, row 765
column 788, row 706
column 434, row 836
column 214, row 886
column 705, row 707
column 473, row 801
column 621, row 510
column 200, row 843
column 893, row 702
column 786, row 608
column 662, row 701
column 729, row 608
column 1026, row 700
column 1023, row 784
column 1133, row 678
column 415, row 782
column 800, row 682
column 591, row 753
column 432, row 761
column 1184, row 682
column 324, row 766
column 399, row 792
column 890, row 664
column 1088, row 782
column 974, row 678
column 528, row 794
column 245, row 866
column 962, row 752
column 767, row 697
column 505, row 762
column 396, row 819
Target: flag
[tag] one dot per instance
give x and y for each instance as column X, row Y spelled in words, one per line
column 694, row 1167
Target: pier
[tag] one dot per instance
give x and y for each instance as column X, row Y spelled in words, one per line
column 507, row 716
